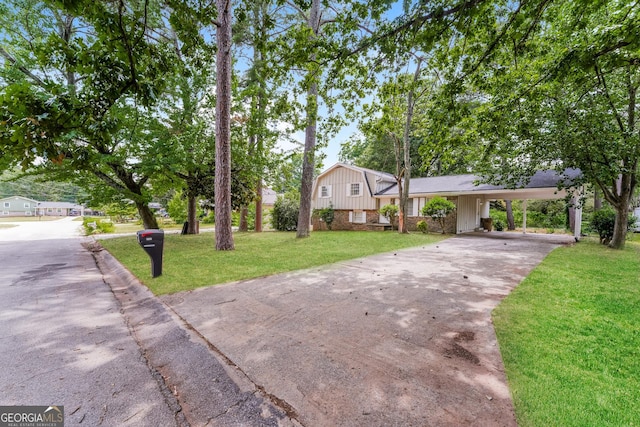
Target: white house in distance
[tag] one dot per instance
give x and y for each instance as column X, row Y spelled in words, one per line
column 356, row 195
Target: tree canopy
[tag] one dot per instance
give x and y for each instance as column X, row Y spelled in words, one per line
column 120, row 96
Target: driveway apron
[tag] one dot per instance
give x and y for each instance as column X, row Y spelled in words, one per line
column 397, row 339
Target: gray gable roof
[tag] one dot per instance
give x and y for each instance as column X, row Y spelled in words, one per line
column 60, row 205
column 465, row 184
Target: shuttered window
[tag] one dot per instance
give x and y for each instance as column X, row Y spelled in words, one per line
column 354, row 189
column 325, row 191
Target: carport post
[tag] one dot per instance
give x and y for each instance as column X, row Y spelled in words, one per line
column 524, row 216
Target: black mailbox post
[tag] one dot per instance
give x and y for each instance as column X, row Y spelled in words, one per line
column 152, row 241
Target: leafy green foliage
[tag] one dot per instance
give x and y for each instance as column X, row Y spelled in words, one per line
column 438, row 209
column 121, row 211
column 390, row 212
column 94, row 225
column 81, row 86
column 603, row 222
column 557, row 90
column 540, row 213
column 327, row 215
column 284, row 216
column 422, row 226
column 15, row 183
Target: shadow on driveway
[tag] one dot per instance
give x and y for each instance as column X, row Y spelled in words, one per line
column 397, row 339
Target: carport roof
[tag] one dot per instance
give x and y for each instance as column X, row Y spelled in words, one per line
column 543, row 184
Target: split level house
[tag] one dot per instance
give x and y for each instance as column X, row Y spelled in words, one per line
column 14, row 206
column 356, row 194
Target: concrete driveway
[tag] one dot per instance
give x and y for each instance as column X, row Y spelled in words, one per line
column 396, row 339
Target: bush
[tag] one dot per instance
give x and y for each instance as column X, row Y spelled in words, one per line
column 438, row 209
column 327, row 215
column 93, row 226
column 422, row 226
column 284, row 216
column 499, row 225
column 390, row 212
column 603, row 221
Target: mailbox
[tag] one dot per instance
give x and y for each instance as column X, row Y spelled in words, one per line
column 152, row 241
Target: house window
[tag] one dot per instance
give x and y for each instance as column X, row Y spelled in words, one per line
column 59, row 210
column 410, row 207
column 354, row 189
column 27, row 205
column 7, row 204
column 358, row 217
column 49, row 210
column 5, row 213
column 325, row 191
column 27, row 213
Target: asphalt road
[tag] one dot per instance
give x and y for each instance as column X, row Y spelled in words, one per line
column 63, row 340
column 77, row 330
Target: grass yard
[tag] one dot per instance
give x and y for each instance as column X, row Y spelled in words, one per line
column 570, row 338
column 191, row 261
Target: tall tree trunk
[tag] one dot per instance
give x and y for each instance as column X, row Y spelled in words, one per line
column 619, row 197
column 191, row 215
column 511, row 223
column 308, row 164
column 244, row 225
column 626, row 183
column 260, row 15
column 224, row 235
column 620, row 229
column 258, row 219
column 308, row 161
column 147, row 216
column 406, row 147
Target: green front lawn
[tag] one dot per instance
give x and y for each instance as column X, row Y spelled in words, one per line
column 191, row 261
column 570, row 338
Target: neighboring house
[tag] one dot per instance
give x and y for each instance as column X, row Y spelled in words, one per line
column 268, row 198
column 59, row 209
column 356, row 194
column 23, row 206
column 17, row 206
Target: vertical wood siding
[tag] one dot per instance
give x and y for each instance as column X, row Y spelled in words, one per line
column 338, row 179
column 467, row 211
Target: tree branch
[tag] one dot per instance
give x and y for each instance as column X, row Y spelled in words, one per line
column 603, row 82
column 417, row 22
column 22, row 68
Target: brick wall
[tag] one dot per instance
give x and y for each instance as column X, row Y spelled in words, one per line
column 434, row 226
column 341, row 222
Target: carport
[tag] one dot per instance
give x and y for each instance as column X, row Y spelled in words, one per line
column 473, row 198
